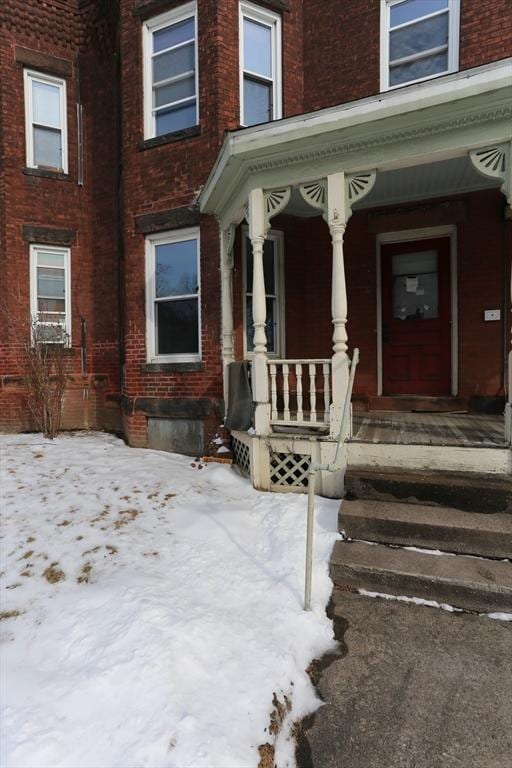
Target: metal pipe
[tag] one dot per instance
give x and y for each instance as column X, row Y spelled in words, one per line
column 333, row 466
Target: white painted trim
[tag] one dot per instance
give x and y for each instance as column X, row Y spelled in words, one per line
column 427, row 233
column 30, row 76
column 173, row 236
column 66, row 252
column 279, row 276
column 453, row 43
column 173, row 16
column 269, row 19
column 450, row 458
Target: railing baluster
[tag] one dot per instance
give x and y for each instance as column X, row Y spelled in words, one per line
column 298, row 373
column 273, row 390
column 312, row 391
column 286, row 391
column 327, row 402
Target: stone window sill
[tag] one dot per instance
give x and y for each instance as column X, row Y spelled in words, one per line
column 170, row 138
column 172, row 367
column 47, row 173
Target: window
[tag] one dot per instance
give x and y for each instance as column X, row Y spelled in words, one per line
column 45, row 121
column 260, row 65
column 50, row 293
column 170, row 72
column 273, row 272
column 172, row 295
column 419, row 39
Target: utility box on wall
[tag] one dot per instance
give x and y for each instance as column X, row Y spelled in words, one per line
column 176, row 435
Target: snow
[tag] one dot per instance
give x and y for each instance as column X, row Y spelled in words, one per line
column 177, row 616
column 500, row 616
column 415, row 600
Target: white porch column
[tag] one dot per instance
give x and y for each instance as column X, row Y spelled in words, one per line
column 496, row 163
column 227, row 239
column 257, row 232
column 337, row 221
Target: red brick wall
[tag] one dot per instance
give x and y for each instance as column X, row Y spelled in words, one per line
column 485, row 31
column 60, row 30
column 481, row 280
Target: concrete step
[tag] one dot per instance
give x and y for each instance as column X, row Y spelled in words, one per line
column 431, row 527
column 467, row 492
column 473, row 584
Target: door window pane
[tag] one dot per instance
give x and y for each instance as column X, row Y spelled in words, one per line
column 269, row 266
column 177, row 327
column 270, row 324
column 257, row 48
column 176, row 268
column 415, row 286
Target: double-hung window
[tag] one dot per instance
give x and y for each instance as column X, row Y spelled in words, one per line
column 260, row 65
column 170, row 72
column 273, row 273
column 173, row 297
column 45, row 121
column 50, row 292
column 419, row 40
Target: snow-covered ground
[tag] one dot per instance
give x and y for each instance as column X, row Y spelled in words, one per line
column 151, row 608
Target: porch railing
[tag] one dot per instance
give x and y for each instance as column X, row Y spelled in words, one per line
column 300, row 392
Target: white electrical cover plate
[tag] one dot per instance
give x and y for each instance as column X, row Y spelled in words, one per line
column 492, row 314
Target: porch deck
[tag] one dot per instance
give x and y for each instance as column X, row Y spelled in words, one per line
column 444, row 429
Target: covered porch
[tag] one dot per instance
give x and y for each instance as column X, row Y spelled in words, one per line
column 324, row 197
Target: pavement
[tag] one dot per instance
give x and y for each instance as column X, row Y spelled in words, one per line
column 411, row 687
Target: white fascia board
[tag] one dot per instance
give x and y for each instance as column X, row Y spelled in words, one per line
column 242, row 145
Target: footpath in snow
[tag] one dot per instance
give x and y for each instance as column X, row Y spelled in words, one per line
column 151, row 608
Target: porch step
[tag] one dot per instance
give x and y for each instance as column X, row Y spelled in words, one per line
column 466, row 492
column 444, row 528
column 420, row 403
column 493, row 460
column 473, row 584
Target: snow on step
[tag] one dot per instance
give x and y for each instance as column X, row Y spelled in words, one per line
column 427, row 526
column 465, row 582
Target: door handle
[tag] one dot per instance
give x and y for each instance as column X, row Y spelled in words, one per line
column 385, row 333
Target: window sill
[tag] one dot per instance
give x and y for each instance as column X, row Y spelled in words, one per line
column 172, row 367
column 170, row 138
column 47, row 173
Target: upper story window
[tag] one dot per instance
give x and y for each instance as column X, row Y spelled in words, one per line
column 419, row 40
column 172, row 297
column 170, row 72
column 50, row 291
column 260, row 65
column 45, row 121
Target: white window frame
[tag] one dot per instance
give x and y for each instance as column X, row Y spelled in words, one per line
column 174, row 16
column 29, row 77
column 273, row 20
column 173, row 236
column 278, row 238
column 34, row 311
column 453, row 42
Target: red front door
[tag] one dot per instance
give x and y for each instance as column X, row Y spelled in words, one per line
column 416, row 318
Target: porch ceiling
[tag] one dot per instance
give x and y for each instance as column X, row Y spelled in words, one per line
column 418, row 182
column 417, row 137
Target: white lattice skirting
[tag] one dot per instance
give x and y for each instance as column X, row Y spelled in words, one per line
column 289, row 469
column 242, row 456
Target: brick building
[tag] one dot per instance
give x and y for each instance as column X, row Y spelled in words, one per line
column 188, row 175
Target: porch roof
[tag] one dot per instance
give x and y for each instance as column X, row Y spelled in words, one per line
column 438, row 119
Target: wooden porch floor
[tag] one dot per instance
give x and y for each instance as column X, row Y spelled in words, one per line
column 399, row 428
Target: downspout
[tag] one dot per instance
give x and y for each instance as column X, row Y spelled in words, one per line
column 119, row 207
column 334, row 466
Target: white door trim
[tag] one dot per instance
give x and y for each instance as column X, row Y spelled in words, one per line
column 426, row 233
